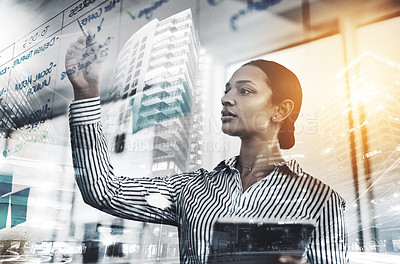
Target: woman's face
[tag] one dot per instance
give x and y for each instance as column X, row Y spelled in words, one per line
column 247, row 105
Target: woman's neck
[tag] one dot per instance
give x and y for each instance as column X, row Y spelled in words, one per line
column 256, row 160
column 255, row 152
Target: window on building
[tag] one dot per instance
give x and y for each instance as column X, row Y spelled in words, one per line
column 134, row 83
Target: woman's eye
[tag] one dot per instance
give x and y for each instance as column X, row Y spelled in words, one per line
column 244, row 91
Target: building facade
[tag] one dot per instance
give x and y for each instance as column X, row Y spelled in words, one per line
column 154, row 86
column 371, row 177
column 156, row 101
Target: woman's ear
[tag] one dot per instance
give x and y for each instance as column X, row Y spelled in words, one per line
column 284, row 109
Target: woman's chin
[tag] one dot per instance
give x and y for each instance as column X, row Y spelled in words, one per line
column 229, row 130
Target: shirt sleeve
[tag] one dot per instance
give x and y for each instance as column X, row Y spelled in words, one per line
column 329, row 240
column 142, row 199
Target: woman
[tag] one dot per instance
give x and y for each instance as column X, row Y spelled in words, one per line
column 261, row 103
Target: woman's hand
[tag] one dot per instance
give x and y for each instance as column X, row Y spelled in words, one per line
column 290, row 260
column 82, row 65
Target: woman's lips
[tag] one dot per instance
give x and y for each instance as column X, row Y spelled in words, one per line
column 227, row 116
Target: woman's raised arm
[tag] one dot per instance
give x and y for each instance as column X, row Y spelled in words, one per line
column 144, row 199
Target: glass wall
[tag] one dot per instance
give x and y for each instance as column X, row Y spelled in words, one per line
column 164, row 68
column 352, row 101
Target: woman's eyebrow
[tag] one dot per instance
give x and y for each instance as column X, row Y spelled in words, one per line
column 245, row 81
column 228, row 85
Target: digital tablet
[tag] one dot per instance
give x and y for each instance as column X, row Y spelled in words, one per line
column 236, row 240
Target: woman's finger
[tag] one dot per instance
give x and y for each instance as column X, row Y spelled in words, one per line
column 81, row 40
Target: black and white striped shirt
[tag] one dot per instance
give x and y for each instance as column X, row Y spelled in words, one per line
column 194, row 201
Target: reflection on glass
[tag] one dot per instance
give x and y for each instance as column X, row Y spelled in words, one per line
column 42, row 216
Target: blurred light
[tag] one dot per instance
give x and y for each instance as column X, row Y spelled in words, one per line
column 395, row 208
column 327, row 150
column 26, row 162
column 345, row 111
column 104, row 229
column 389, row 96
column 157, row 200
column 2, row 159
column 47, row 224
column 294, row 156
column 372, row 153
column 107, row 240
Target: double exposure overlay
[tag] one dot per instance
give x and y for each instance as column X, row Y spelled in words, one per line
column 164, row 65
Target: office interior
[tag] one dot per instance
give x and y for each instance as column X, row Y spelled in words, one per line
column 345, row 53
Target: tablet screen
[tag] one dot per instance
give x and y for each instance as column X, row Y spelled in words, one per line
column 240, row 241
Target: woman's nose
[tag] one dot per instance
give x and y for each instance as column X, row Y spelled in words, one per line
column 227, row 99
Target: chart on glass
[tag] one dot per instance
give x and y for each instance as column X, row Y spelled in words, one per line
column 140, row 131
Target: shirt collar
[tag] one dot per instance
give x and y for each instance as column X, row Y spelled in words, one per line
column 292, row 165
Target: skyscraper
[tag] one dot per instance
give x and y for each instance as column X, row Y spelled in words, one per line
column 154, row 85
column 156, row 97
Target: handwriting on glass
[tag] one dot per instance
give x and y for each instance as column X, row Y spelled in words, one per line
column 37, row 77
column 8, row 152
column 3, row 91
column 214, row 2
column 37, row 115
column 76, row 9
column 35, row 36
column 110, row 6
column 99, row 26
column 34, row 52
column 148, row 11
column 4, row 70
column 92, row 16
column 86, row 60
column 34, row 125
column 251, row 6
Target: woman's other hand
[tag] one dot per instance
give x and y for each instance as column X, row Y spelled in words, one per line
column 291, row 260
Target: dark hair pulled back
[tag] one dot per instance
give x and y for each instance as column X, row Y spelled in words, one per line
column 284, row 85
